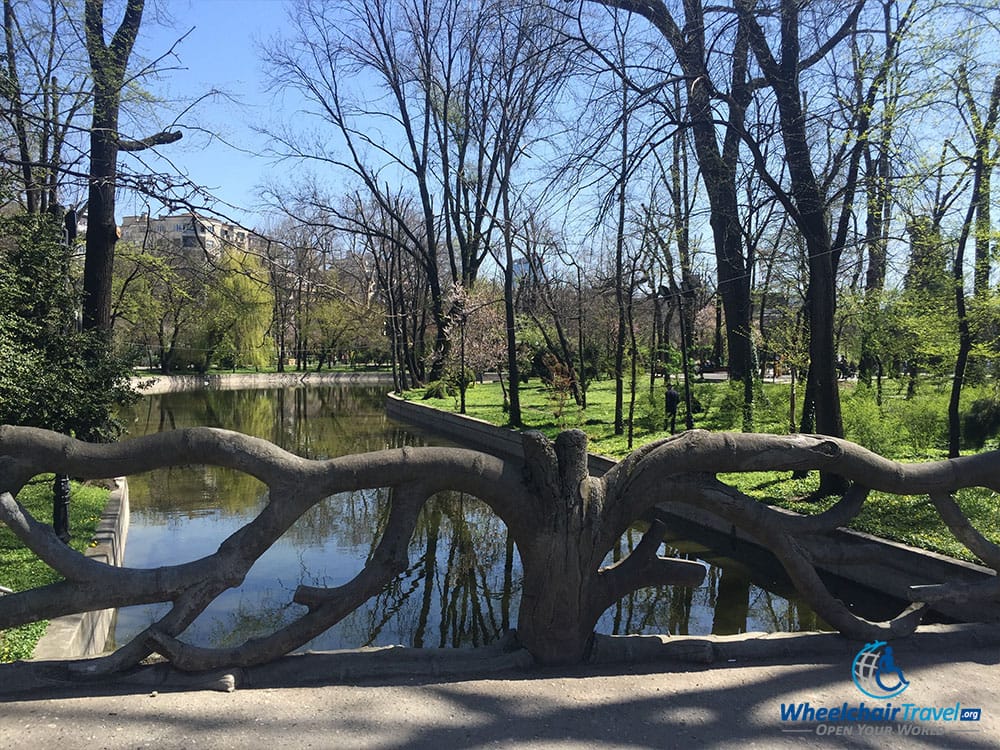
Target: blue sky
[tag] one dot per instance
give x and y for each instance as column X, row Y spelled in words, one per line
column 221, row 52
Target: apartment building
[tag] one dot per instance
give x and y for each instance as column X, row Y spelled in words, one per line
column 187, row 230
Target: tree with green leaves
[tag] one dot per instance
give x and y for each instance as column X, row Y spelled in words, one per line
column 51, row 374
column 983, row 127
column 238, row 313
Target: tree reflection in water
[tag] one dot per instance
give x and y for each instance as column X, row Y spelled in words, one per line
column 464, row 578
column 461, row 586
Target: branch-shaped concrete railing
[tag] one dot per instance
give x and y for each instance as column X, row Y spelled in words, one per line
column 563, row 521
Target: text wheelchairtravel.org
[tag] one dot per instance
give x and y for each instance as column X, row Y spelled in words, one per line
column 863, row 713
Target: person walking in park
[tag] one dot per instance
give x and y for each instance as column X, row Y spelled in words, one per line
column 673, row 399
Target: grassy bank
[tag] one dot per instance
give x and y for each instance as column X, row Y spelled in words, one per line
column 20, row 569
column 900, row 429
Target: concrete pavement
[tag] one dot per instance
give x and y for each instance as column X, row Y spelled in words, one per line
column 323, row 701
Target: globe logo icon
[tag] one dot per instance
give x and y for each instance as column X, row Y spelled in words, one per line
column 875, row 672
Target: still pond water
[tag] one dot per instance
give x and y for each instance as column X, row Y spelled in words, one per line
column 462, row 586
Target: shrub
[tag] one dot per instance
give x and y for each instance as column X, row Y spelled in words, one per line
column 981, row 422
column 651, row 417
column 51, row 375
column 867, row 424
column 439, row 389
column 559, row 382
column 771, row 407
column 925, row 420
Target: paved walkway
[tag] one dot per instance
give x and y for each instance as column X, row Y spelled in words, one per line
column 305, row 702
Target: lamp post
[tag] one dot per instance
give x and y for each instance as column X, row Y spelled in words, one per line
column 60, row 507
column 60, row 484
column 462, row 319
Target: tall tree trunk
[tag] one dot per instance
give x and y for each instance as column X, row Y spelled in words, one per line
column 977, row 217
column 108, row 62
column 964, row 331
column 718, row 166
column 633, row 350
column 514, row 413
column 809, row 214
column 619, row 425
column 876, row 242
column 686, row 367
column 102, row 232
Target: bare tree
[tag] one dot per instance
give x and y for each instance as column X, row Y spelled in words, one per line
column 544, row 297
column 45, row 95
column 527, row 66
column 460, row 86
column 108, row 68
column 805, row 200
column 696, row 58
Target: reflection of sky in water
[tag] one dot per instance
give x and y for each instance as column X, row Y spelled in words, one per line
column 182, row 514
column 271, row 581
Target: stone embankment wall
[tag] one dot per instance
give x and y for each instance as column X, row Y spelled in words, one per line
column 152, row 384
column 86, row 633
column 898, row 566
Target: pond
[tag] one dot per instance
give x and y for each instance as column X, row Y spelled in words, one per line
column 462, row 586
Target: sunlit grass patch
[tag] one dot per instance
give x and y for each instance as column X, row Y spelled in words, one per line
column 900, row 430
column 908, row 519
column 20, row 569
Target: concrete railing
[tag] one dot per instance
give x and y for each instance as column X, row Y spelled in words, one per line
column 563, row 520
column 86, row 633
column 467, row 431
column 895, row 568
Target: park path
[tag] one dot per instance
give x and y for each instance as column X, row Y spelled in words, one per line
column 735, row 704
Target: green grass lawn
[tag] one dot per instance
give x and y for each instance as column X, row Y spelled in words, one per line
column 900, row 429
column 541, row 411
column 20, row 569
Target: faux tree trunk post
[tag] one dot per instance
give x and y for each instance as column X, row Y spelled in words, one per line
column 563, row 521
column 565, row 590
